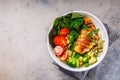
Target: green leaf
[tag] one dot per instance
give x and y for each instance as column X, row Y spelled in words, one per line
column 72, row 36
column 66, row 20
column 52, row 33
column 76, row 23
column 56, row 24
column 57, row 21
column 76, row 15
column 93, row 32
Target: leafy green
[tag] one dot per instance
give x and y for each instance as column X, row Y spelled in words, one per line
column 76, row 15
column 76, row 23
column 56, row 24
column 66, row 20
column 93, row 32
column 72, row 36
column 71, row 21
column 56, row 21
column 62, row 21
column 52, row 33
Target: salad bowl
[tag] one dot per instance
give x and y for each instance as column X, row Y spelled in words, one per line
column 104, row 36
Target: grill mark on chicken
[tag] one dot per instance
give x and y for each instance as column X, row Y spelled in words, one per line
column 84, row 42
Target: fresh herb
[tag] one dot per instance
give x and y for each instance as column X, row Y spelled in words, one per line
column 93, row 32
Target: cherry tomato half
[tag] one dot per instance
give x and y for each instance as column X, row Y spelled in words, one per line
column 60, row 41
column 64, row 31
column 63, row 57
column 58, row 50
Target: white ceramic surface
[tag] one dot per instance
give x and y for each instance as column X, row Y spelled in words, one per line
column 104, row 36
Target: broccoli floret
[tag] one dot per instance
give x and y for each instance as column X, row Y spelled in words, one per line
column 74, row 60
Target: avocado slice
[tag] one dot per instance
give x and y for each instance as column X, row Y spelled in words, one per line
column 92, row 60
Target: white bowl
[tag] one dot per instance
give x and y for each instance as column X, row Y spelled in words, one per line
column 104, row 35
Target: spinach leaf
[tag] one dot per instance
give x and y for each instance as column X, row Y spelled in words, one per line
column 56, row 24
column 76, row 15
column 56, row 21
column 76, row 23
column 66, row 20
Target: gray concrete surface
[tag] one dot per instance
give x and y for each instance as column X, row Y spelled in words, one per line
column 23, row 29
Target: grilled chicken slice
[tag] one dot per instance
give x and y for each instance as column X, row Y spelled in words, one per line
column 84, row 43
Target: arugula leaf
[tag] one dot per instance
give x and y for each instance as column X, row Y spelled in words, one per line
column 93, row 32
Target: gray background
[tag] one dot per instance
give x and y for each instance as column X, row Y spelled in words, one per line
column 23, row 30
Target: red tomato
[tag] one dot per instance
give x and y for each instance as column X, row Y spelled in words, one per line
column 60, row 41
column 58, row 50
column 63, row 57
column 64, row 31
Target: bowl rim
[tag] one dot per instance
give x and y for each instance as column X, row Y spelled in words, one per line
column 79, row 69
